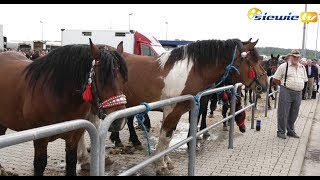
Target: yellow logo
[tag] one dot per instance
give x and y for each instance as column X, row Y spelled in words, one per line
column 253, row 12
column 308, row 17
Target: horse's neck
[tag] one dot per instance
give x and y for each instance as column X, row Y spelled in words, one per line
column 212, row 76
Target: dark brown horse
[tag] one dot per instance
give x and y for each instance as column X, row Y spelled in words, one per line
column 187, row 70
column 271, row 66
column 63, row 85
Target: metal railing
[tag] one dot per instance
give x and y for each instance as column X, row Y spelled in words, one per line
column 55, row 129
column 98, row 137
column 193, row 128
column 267, row 100
column 141, row 108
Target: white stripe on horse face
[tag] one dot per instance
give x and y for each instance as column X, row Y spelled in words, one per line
column 176, row 79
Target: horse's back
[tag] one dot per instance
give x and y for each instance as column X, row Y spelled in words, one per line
column 11, row 84
column 11, row 65
column 12, row 55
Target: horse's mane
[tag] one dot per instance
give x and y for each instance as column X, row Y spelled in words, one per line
column 69, row 66
column 208, row 52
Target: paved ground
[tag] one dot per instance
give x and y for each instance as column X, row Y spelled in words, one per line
column 255, row 153
column 311, row 165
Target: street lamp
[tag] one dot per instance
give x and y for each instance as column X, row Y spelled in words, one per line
column 129, row 20
column 166, row 30
column 41, row 30
column 62, row 36
column 315, row 51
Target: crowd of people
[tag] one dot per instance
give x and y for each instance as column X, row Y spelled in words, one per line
column 30, row 54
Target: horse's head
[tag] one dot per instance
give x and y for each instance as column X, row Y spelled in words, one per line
column 108, row 76
column 273, row 63
column 252, row 74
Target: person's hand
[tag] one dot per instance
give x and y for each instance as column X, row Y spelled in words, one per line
column 276, row 81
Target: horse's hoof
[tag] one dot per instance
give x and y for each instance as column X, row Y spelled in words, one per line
column 119, row 144
column 108, row 161
column 225, row 128
column 3, row 172
column 243, row 129
column 170, row 165
column 199, row 138
column 163, row 171
column 138, row 147
column 206, row 135
column 85, row 166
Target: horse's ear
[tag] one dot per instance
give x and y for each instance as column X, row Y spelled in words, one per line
column 249, row 40
column 271, row 56
column 120, row 47
column 278, row 56
column 251, row 45
column 94, row 50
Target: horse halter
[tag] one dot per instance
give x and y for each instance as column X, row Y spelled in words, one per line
column 256, row 77
column 113, row 101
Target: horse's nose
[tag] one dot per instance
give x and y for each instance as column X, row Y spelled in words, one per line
column 259, row 89
column 118, row 125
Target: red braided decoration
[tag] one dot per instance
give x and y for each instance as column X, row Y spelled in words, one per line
column 87, row 94
column 252, row 74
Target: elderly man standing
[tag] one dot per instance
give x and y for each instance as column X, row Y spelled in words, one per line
column 291, row 77
column 312, row 73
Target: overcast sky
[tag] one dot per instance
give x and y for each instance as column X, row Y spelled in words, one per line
column 187, row 22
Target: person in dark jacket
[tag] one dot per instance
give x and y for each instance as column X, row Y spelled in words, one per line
column 312, row 73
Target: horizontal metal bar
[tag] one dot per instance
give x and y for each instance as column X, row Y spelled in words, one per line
column 155, row 157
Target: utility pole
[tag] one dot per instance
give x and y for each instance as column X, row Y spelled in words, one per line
column 41, row 31
column 304, row 36
column 129, row 19
column 166, row 30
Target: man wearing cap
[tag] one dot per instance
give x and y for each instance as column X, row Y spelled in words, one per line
column 291, row 77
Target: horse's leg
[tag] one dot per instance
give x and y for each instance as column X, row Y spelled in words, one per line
column 83, row 155
column 170, row 121
column 224, row 114
column 71, row 152
column 213, row 104
column 133, row 135
column 40, row 156
column 245, row 97
column 82, row 152
column 147, row 122
column 2, row 132
column 204, row 111
column 250, row 96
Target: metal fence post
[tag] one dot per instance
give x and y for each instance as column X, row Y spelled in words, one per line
column 193, row 143
column 276, row 97
column 232, row 112
column 253, row 110
column 267, row 100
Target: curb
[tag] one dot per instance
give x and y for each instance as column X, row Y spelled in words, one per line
column 298, row 160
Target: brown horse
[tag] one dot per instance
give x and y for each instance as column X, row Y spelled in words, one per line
column 186, row 70
column 63, row 85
